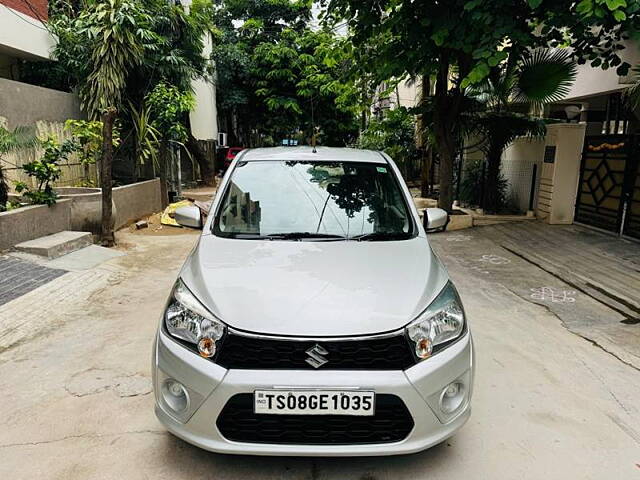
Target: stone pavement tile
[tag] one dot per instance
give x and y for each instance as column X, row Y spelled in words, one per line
column 39, row 309
column 18, row 277
column 84, row 259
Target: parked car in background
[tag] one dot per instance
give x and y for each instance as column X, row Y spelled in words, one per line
column 232, row 152
column 313, row 317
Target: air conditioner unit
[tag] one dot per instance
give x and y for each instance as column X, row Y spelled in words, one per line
column 222, row 139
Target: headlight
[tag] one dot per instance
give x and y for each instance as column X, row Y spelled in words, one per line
column 441, row 322
column 187, row 319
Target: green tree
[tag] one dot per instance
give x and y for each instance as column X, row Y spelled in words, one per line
column 394, row 134
column 105, row 41
column 458, row 42
column 167, row 104
column 303, row 90
column 281, row 77
column 244, row 26
column 514, row 90
column 46, row 170
column 163, row 43
column 88, row 135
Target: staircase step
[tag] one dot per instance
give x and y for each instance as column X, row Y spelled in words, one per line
column 56, row 245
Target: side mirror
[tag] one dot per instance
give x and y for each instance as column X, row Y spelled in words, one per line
column 188, row 217
column 435, row 220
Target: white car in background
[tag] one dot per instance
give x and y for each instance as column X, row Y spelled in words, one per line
column 312, row 317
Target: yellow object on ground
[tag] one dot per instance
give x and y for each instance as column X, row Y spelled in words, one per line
column 167, row 215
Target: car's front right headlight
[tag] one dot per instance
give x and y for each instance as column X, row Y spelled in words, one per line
column 442, row 322
column 187, row 319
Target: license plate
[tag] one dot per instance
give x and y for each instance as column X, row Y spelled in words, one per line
column 314, row 402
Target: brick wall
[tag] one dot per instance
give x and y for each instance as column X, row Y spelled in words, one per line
column 37, row 9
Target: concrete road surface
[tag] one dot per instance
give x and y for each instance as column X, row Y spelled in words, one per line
column 76, row 402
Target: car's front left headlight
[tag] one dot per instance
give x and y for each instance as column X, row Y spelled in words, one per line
column 442, row 322
column 187, row 319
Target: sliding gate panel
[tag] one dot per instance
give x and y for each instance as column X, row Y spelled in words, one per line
column 632, row 217
column 600, row 200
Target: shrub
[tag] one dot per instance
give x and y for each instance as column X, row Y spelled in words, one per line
column 46, row 170
column 472, row 185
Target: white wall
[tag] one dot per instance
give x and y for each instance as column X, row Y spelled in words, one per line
column 595, row 81
column 517, row 167
column 23, row 36
column 204, row 117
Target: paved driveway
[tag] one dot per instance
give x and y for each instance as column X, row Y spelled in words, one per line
column 548, row 404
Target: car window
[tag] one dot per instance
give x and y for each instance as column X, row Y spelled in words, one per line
column 341, row 199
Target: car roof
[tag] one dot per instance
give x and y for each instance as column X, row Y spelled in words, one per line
column 306, row 153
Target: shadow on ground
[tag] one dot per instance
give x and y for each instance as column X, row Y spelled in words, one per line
column 181, row 456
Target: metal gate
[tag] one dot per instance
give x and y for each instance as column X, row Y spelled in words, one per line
column 609, row 188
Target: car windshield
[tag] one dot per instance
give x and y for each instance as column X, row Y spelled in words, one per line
column 313, row 200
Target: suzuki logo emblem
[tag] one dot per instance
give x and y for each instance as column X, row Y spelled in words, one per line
column 316, row 358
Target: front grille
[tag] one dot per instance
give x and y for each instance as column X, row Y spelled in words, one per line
column 392, row 422
column 382, row 353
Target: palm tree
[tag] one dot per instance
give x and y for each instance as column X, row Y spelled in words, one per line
column 11, row 141
column 115, row 34
column 510, row 102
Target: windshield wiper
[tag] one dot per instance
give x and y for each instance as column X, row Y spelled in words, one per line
column 303, row 235
column 381, row 236
column 288, row 236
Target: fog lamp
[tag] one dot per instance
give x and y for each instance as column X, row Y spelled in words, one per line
column 175, row 395
column 452, row 397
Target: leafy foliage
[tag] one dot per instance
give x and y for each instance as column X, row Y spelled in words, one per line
column 167, row 105
column 394, row 134
column 505, row 100
column 473, row 184
column 280, row 77
column 168, row 46
column 114, row 33
column 459, row 42
column 147, row 137
column 46, row 170
column 543, row 76
column 88, row 135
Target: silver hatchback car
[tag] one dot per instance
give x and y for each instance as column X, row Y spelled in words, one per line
column 312, row 317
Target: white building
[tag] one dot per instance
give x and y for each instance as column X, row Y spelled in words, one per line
column 23, row 36
column 588, row 166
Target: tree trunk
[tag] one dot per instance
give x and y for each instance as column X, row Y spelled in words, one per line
column 108, row 117
column 425, row 174
column 427, row 153
column 206, row 170
column 447, row 151
column 492, row 197
column 4, row 190
column 447, row 107
column 232, row 138
column 444, row 132
column 162, row 160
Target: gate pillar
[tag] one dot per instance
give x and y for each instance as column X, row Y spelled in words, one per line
column 560, row 172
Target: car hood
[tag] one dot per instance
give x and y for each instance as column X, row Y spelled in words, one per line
column 314, row 289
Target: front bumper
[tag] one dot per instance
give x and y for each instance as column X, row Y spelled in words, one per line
column 211, row 386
